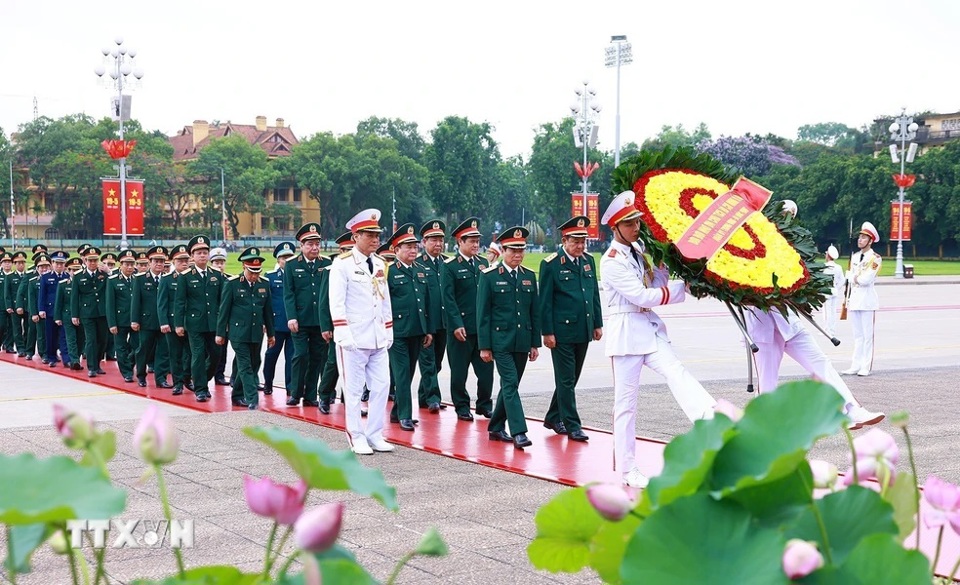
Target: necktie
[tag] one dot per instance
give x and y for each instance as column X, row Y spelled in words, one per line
column 310, row 264
column 370, row 264
column 861, row 257
column 633, row 252
column 576, row 262
column 156, row 279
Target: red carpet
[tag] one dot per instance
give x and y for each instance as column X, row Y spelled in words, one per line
column 552, row 457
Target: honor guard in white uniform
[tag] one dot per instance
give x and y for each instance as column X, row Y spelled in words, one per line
column 832, row 306
column 363, row 330
column 862, row 302
column 636, row 336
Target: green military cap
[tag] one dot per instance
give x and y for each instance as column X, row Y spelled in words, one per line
column 6, row 257
column 107, row 256
column 515, row 237
column 180, row 251
column 386, row 253
column 59, row 256
column 74, row 262
column 39, row 248
column 142, row 257
column 251, row 259
column 157, row 252
column 41, row 259
column 127, row 255
column 434, row 227
column 91, row 252
column 284, row 249
column 37, row 255
column 575, row 226
column 19, row 255
column 345, row 241
column 309, row 231
column 467, row 228
column 405, row 233
column 198, row 243
column 82, row 248
column 2, row 250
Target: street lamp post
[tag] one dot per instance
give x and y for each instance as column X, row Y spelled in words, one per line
column 586, row 111
column 619, row 54
column 13, row 213
column 902, row 130
column 119, row 65
column 223, row 208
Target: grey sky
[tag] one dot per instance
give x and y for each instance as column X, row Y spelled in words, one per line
column 738, row 65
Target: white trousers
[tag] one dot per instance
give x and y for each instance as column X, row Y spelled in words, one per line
column 862, row 322
column 687, row 391
column 830, row 315
column 370, row 367
column 804, row 349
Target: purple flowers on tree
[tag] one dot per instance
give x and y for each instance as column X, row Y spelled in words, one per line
column 751, row 155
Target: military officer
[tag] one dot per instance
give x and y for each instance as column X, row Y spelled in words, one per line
column 282, row 252
column 119, row 301
column 863, row 302
column 363, row 330
column 53, row 332
column 508, row 332
column 62, row 316
column 195, row 315
column 145, row 319
column 245, row 312
column 32, row 306
column 636, row 337
column 831, row 305
column 431, row 359
column 328, row 379
column 178, row 347
column 571, row 318
column 389, row 258
column 412, row 327
column 108, row 263
column 218, row 261
column 302, row 282
column 143, row 262
column 88, row 309
column 11, row 286
column 461, row 274
column 6, row 325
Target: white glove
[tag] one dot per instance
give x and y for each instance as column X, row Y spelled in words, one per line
column 348, row 346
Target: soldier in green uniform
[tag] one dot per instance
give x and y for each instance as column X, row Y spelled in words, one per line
column 11, row 286
column 461, row 273
column 431, row 360
column 570, row 319
column 508, row 332
column 302, row 284
column 412, row 328
column 88, row 308
column 31, row 306
column 389, row 258
column 246, row 310
column 143, row 262
column 23, row 309
column 144, row 319
column 108, row 263
column 195, row 315
column 328, row 379
column 62, row 315
column 178, row 347
column 6, row 325
column 119, row 298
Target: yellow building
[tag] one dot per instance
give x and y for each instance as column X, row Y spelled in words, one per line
column 276, row 141
column 936, row 130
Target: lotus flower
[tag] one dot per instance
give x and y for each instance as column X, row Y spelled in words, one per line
column 270, row 499
column 825, row 474
column 800, row 558
column 75, row 428
column 610, row 501
column 728, row 409
column 944, row 500
column 154, row 437
column 318, row 528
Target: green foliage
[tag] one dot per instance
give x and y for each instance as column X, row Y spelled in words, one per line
column 324, row 468
column 566, row 528
column 677, row 137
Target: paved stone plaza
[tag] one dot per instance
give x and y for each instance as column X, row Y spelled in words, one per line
column 485, row 515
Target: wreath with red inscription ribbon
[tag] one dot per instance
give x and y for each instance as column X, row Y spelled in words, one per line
column 767, row 259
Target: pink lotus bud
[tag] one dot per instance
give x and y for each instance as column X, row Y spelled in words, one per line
column 944, row 500
column 728, row 409
column 269, row 499
column 610, row 501
column 154, row 437
column 318, row 528
column 877, row 444
column 825, row 474
column 75, row 428
column 800, row 558
column 311, row 570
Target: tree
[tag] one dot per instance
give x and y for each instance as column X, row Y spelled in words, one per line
column 407, row 135
column 246, row 173
column 676, row 137
column 6, row 156
column 551, row 172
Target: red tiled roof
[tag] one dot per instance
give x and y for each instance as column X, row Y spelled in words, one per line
column 275, row 141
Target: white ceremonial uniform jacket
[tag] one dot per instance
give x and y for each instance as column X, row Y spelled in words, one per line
column 839, row 279
column 862, row 275
column 631, row 328
column 360, row 302
column 761, row 325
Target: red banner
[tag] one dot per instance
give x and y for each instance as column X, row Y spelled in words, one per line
column 593, row 212
column 895, row 220
column 112, row 222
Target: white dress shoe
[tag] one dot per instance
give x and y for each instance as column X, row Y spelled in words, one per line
column 361, row 447
column 861, row 417
column 381, row 446
column 635, row 479
column 850, row 372
column 863, row 373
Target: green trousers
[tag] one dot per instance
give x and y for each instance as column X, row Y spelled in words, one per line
column 123, row 349
column 71, row 334
column 403, row 361
column 246, row 378
column 431, row 362
column 309, row 357
column 204, row 357
column 178, row 348
column 461, row 355
column 153, row 348
column 95, row 340
column 568, row 361
column 509, row 409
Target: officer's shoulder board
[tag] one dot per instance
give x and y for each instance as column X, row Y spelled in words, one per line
column 346, row 254
column 139, row 274
column 490, row 268
column 233, row 277
column 35, row 277
column 187, row 271
column 112, row 276
column 551, row 257
column 274, row 271
column 451, row 259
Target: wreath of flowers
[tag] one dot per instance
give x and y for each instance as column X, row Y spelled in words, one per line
column 768, row 261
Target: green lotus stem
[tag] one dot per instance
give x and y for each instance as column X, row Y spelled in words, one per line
column 96, row 457
column 266, row 560
column 11, row 566
column 916, row 487
column 84, row 570
column 169, row 516
column 956, row 566
column 820, row 523
column 936, row 555
column 73, row 565
column 285, row 568
column 100, row 554
column 283, row 541
column 402, row 563
column 853, row 455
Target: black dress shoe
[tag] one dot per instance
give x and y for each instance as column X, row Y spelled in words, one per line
column 394, row 418
column 221, row 381
column 407, row 425
column 177, row 390
column 363, row 413
column 21, row 354
column 293, row 402
column 101, row 371
column 128, row 378
column 433, row 407
column 164, row 384
column 520, row 441
column 557, row 427
column 29, row 357
column 142, row 382
column 578, row 435
column 500, row 435
column 238, row 402
column 251, row 407
column 365, row 396
column 202, row 396
column 189, row 386
column 92, row 374
column 52, row 364
column 464, row 416
column 324, row 406
column 44, row 360
column 111, row 358
column 260, row 387
column 76, row 366
column 312, row 403
column 484, row 412
column 267, row 391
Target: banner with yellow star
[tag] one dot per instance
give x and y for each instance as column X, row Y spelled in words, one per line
column 113, row 199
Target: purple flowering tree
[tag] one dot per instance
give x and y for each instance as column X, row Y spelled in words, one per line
column 751, row 155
